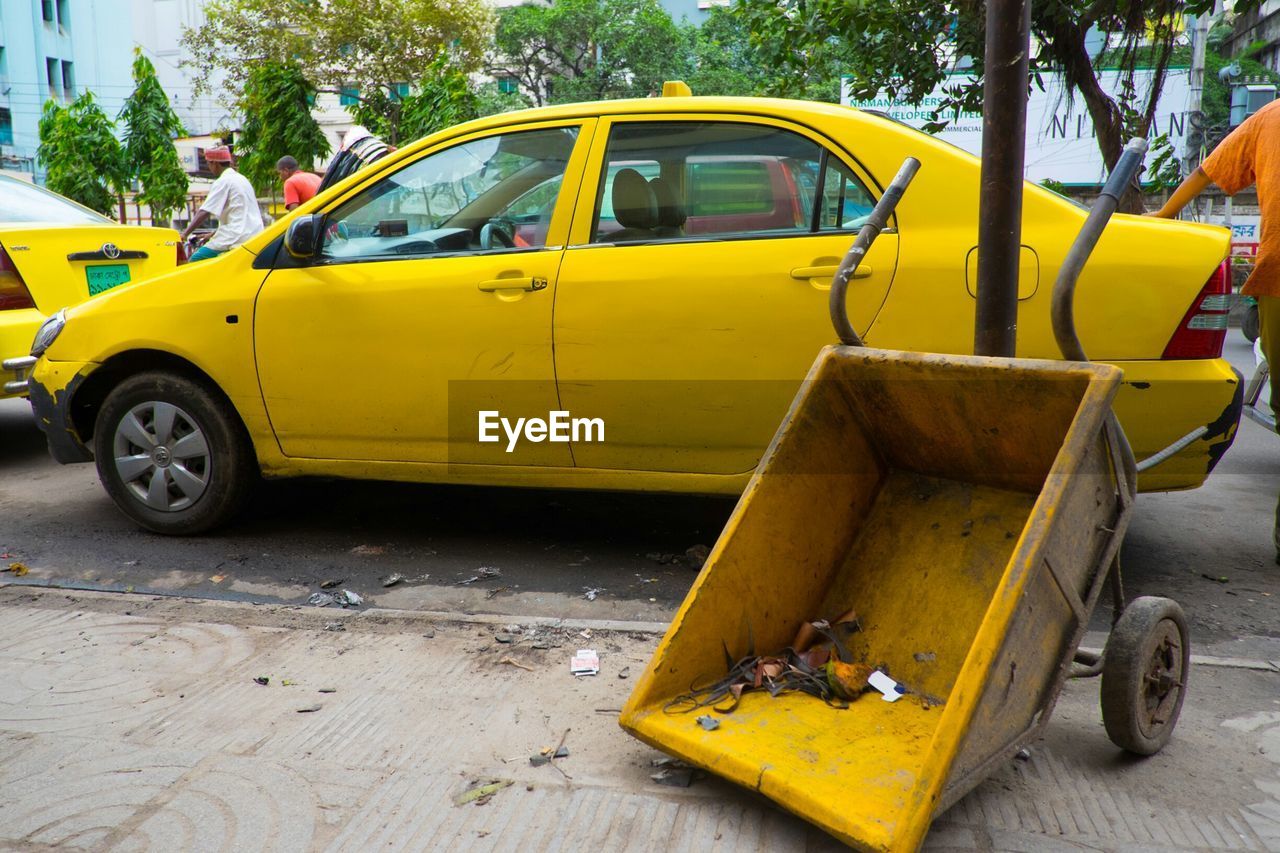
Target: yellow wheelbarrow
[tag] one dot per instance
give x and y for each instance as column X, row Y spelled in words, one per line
column 969, row 510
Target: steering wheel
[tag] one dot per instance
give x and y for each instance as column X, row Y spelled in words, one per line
column 494, row 235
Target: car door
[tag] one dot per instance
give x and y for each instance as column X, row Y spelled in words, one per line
column 693, row 296
column 421, row 309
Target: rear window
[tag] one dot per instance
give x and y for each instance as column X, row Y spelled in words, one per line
column 23, row 202
column 724, row 189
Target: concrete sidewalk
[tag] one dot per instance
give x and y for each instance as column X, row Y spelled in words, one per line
column 134, row 723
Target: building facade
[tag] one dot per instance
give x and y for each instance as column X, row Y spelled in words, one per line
column 58, row 49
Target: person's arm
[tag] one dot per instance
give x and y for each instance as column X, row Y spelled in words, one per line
column 196, row 222
column 1191, row 187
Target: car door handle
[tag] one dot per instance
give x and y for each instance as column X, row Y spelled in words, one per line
column 527, row 283
column 806, row 273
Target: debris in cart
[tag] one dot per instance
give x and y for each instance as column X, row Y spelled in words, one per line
column 585, row 662
column 708, row 723
column 892, row 690
column 392, row 580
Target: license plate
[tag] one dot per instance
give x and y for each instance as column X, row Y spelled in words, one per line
column 105, row 276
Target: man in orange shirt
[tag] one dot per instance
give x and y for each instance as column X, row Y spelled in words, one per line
column 1250, row 155
column 299, row 186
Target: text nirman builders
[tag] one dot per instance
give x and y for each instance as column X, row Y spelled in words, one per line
column 559, row 426
column 1060, row 138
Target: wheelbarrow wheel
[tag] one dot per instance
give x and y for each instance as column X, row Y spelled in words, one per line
column 1144, row 674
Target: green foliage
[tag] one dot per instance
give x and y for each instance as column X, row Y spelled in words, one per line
column 731, row 58
column 82, row 157
column 150, row 125
column 589, row 50
column 374, row 46
column 276, row 104
column 1054, row 186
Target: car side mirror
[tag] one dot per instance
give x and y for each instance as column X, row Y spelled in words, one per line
column 303, row 237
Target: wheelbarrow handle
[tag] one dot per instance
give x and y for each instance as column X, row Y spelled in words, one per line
column 866, row 236
column 1062, row 310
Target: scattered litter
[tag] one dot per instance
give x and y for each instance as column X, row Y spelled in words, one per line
column 309, row 709
column 513, row 662
column 504, row 638
column 482, row 574
column 1216, row 578
column 331, row 583
column 925, row 657
column 347, row 598
column 608, row 710
column 891, row 689
column 677, row 777
column 1023, row 754
column 480, row 794
column 321, row 599
column 368, row 550
column 287, row 682
column 263, row 680
column 562, row 751
column 662, row 559
column 7, row 556
column 585, row 633
column 430, row 633
column 585, row 662
column 18, row 569
column 131, row 562
column 590, row 592
column 696, row 556
column 392, row 580
column 493, row 593
column 217, row 578
column 624, row 672
column 335, row 626
column 327, row 690
column 540, row 759
column 708, row 723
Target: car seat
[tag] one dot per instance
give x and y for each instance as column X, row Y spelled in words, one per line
column 671, row 214
column 634, row 207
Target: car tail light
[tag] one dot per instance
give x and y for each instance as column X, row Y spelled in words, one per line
column 1204, row 328
column 13, row 290
column 183, row 255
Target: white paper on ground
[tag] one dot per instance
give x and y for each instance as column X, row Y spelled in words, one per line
column 585, row 662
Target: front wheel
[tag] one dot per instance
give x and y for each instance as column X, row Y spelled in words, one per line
column 1144, row 674
column 172, row 454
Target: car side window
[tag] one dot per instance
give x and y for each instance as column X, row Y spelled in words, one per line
column 673, row 180
column 845, row 202
column 490, row 194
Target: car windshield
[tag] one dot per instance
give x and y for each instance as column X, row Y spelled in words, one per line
column 23, row 202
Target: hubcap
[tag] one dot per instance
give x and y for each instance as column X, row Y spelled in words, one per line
column 162, row 456
column 1163, row 679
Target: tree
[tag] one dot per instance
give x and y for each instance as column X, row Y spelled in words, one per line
column 367, row 48
column 442, row 99
column 150, row 125
column 730, row 59
column 906, row 49
column 589, row 50
column 276, row 104
column 81, row 155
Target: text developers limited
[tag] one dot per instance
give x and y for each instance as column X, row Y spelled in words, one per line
column 559, row 426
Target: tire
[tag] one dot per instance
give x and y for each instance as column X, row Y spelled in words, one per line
column 1249, row 324
column 1144, row 675
column 161, row 424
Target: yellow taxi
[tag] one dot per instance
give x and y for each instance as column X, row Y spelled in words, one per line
column 619, row 295
column 55, row 253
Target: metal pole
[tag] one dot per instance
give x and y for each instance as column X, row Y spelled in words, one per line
column 1004, row 132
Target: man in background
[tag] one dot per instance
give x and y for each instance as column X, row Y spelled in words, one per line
column 299, row 186
column 232, row 201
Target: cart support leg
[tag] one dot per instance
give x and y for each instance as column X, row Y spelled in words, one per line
column 1117, row 591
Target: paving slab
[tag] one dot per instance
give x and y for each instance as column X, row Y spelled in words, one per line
column 135, row 724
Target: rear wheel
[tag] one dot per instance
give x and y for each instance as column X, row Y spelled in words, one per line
column 1249, row 323
column 172, row 454
column 1144, row 674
